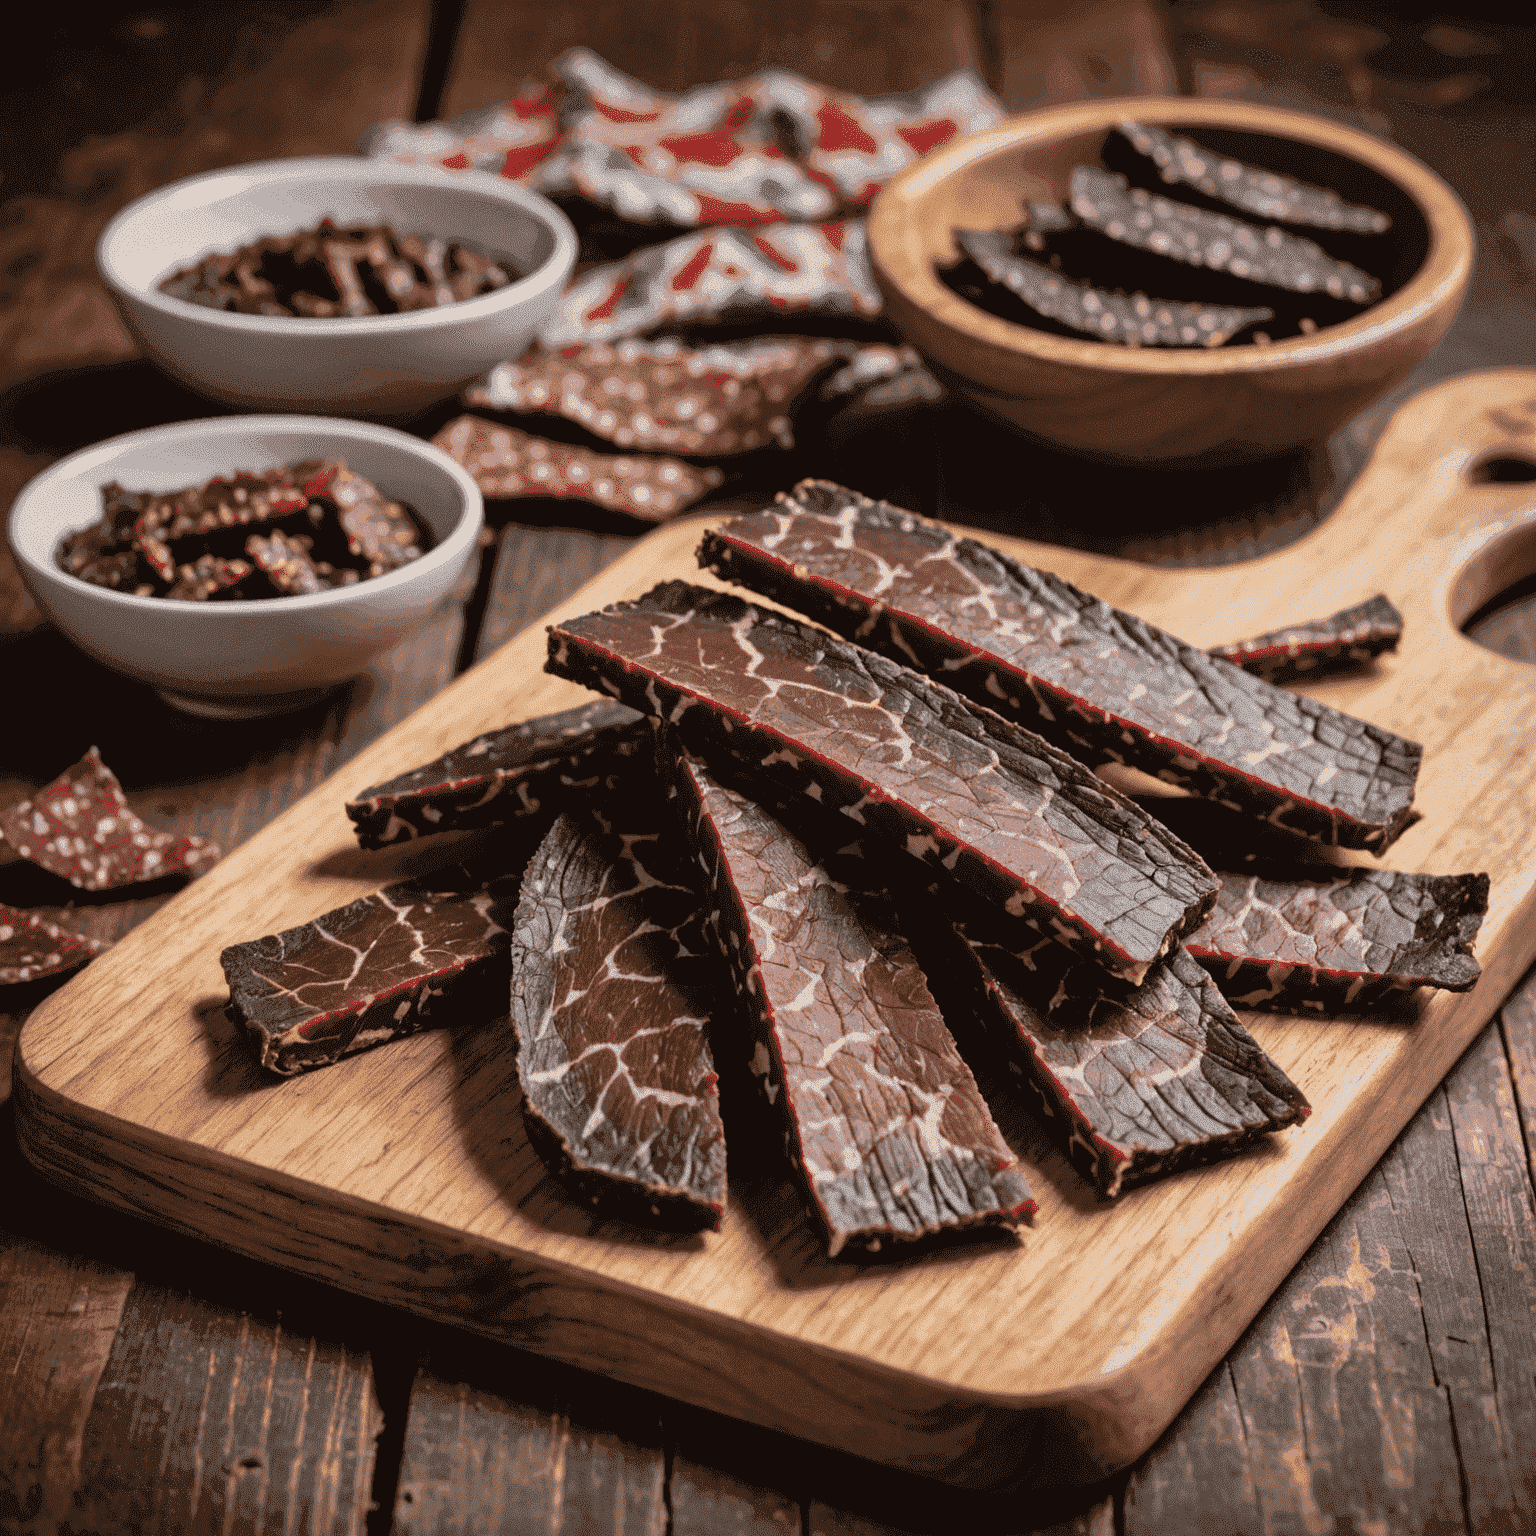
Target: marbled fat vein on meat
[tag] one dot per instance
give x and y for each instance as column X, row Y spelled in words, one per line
column 1021, row 822
column 1100, row 682
column 883, row 1116
column 412, row 955
column 613, row 984
column 1136, row 1082
column 501, row 776
column 1321, row 946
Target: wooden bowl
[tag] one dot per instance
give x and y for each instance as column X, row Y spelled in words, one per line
column 1160, row 405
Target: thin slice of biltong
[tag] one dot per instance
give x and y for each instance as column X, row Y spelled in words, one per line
column 1102, row 682
column 1132, row 320
column 413, row 955
column 764, row 697
column 882, row 1116
column 1135, row 217
column 503, row 775
column 613, row 987
column 32, row 947
column 1349, row 638
column 1351, row 943
column 1265, row 194
column 1136, row 1082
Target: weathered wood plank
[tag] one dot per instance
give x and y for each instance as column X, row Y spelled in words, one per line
column 854, row 45
column 1065, row 50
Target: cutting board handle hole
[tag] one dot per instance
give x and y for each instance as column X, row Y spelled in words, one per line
column 1502, row 469
column 1492, row 598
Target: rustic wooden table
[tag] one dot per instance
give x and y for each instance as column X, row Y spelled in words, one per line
column 153, row 1383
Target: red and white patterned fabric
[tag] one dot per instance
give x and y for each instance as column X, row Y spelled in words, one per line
column 774, row 148
column 721, row 277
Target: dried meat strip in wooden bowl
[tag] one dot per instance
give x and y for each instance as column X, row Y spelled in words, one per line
column 1133, row 319
column 1265, row 194
column 1105, row 683
column 502, row 776
column 413, row 955
column 883, row 1118
column 1028, row 827
column 1347, row 944
column 614, row 983
column 81, row 827
column 1136, row 1082
column 1349, row 638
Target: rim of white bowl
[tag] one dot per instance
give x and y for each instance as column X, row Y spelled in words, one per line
column 98, row 457
column 209, row 186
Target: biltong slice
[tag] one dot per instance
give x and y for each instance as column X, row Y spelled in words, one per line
column 413, row 955
column 1347, row 944
column 32, row 947
column 882, row 1116
column 1132, row 320
column 1349, row 638
column 1271, row 257
column 1099, row 681
column 614, row 982
column 1136, row 1082
column 503, row 775
column 760, row 695
column 1265, row 194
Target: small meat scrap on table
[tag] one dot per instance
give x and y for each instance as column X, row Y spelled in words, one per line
column 387, row 965
column 81, row 827
column 32, row 947
column 614, row 994
column 1098, row 682
column 1027, row 826
column 883, row 1118
column 1346, row 639
column 504, row 775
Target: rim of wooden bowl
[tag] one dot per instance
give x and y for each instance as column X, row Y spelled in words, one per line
column 903, row 253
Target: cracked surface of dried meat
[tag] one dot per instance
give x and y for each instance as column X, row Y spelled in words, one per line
column 762, row 696
column 1136, row 1082
column 508, row 464
column 412, row 956
column 503, row 775
column 1103, row 682
column 1349, row 638
column 726, row 399
column 1265, row 194
column 613, row 985
column 32, row 947
column 1341, row 945
column 1132, row 320
column 81, row 827
column 721, row 276
column 883, row 1118
column 1269, row 256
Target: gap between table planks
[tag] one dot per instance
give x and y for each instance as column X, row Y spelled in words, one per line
column 403, row 1174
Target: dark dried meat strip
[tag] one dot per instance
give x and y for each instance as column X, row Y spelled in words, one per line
column 503, row 775
column 613, row 987
column 208, row 577
column 414, row 955
column 1265, row 194
column 1344, row 944
column 80, row 827
column 730, row 398
column 285, row 562
column 380, row 532
column 1133, row 320
column 508, row 464
column 1269, row 256
column 1136, row 1082
column 883, row 1118
column 1104, row 682
column 31, row 947
column 1348, row 638
column 762, row 696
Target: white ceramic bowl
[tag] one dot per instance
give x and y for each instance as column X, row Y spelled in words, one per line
column 234, row 660
column 374, row 365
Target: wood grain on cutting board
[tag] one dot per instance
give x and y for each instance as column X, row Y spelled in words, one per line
column 404, row 1173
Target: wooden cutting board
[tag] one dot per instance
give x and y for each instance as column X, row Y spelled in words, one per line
column 404, row 1173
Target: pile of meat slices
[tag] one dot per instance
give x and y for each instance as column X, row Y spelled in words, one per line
column 773, row 841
